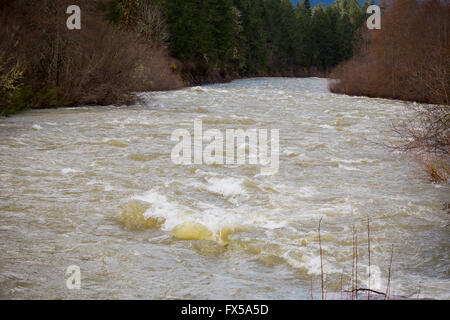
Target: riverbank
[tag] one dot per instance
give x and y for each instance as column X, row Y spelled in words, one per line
column 186, row 80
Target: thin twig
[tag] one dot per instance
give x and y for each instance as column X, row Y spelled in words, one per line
column 321, row 262
column 368, row 248
column 356, row 266
column 353, row 260
column 368, row 290
column 388, row 289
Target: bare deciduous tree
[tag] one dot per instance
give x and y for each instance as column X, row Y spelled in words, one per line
column 409, row 59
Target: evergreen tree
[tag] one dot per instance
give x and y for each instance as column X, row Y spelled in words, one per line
column 190, row 28
column 223, row 31
column 345, row 32
column 307, row 5
column 255, row 46
column 305, row 52
column 257, row 37
column 356, row 14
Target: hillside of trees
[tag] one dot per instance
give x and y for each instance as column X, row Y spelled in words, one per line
column 233, row 38
column 142, row 45
column 223, row 39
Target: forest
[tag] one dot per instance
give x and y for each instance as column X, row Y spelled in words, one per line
column 233, row 38
column 127, row 46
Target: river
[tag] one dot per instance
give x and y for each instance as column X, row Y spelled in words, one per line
column 95, row 187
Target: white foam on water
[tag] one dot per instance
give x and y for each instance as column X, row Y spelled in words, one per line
column 68, row 170
column 311, row 262
column 289, row 153
column 213, row 217
column 199, row 89
column 226, row 187
column 326, row 126
column 344, row 208
column 221, row 91
column 348, row 168
column 162, row 208
column 307, row 191
column 354, row 161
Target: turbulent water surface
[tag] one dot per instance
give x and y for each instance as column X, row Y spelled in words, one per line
column 95, row 187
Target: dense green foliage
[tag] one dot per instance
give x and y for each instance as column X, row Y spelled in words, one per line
column 262, row 36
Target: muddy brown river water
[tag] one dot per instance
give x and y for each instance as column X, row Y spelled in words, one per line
column 95, row 187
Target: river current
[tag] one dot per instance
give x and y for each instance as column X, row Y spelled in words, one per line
column 95, row 187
